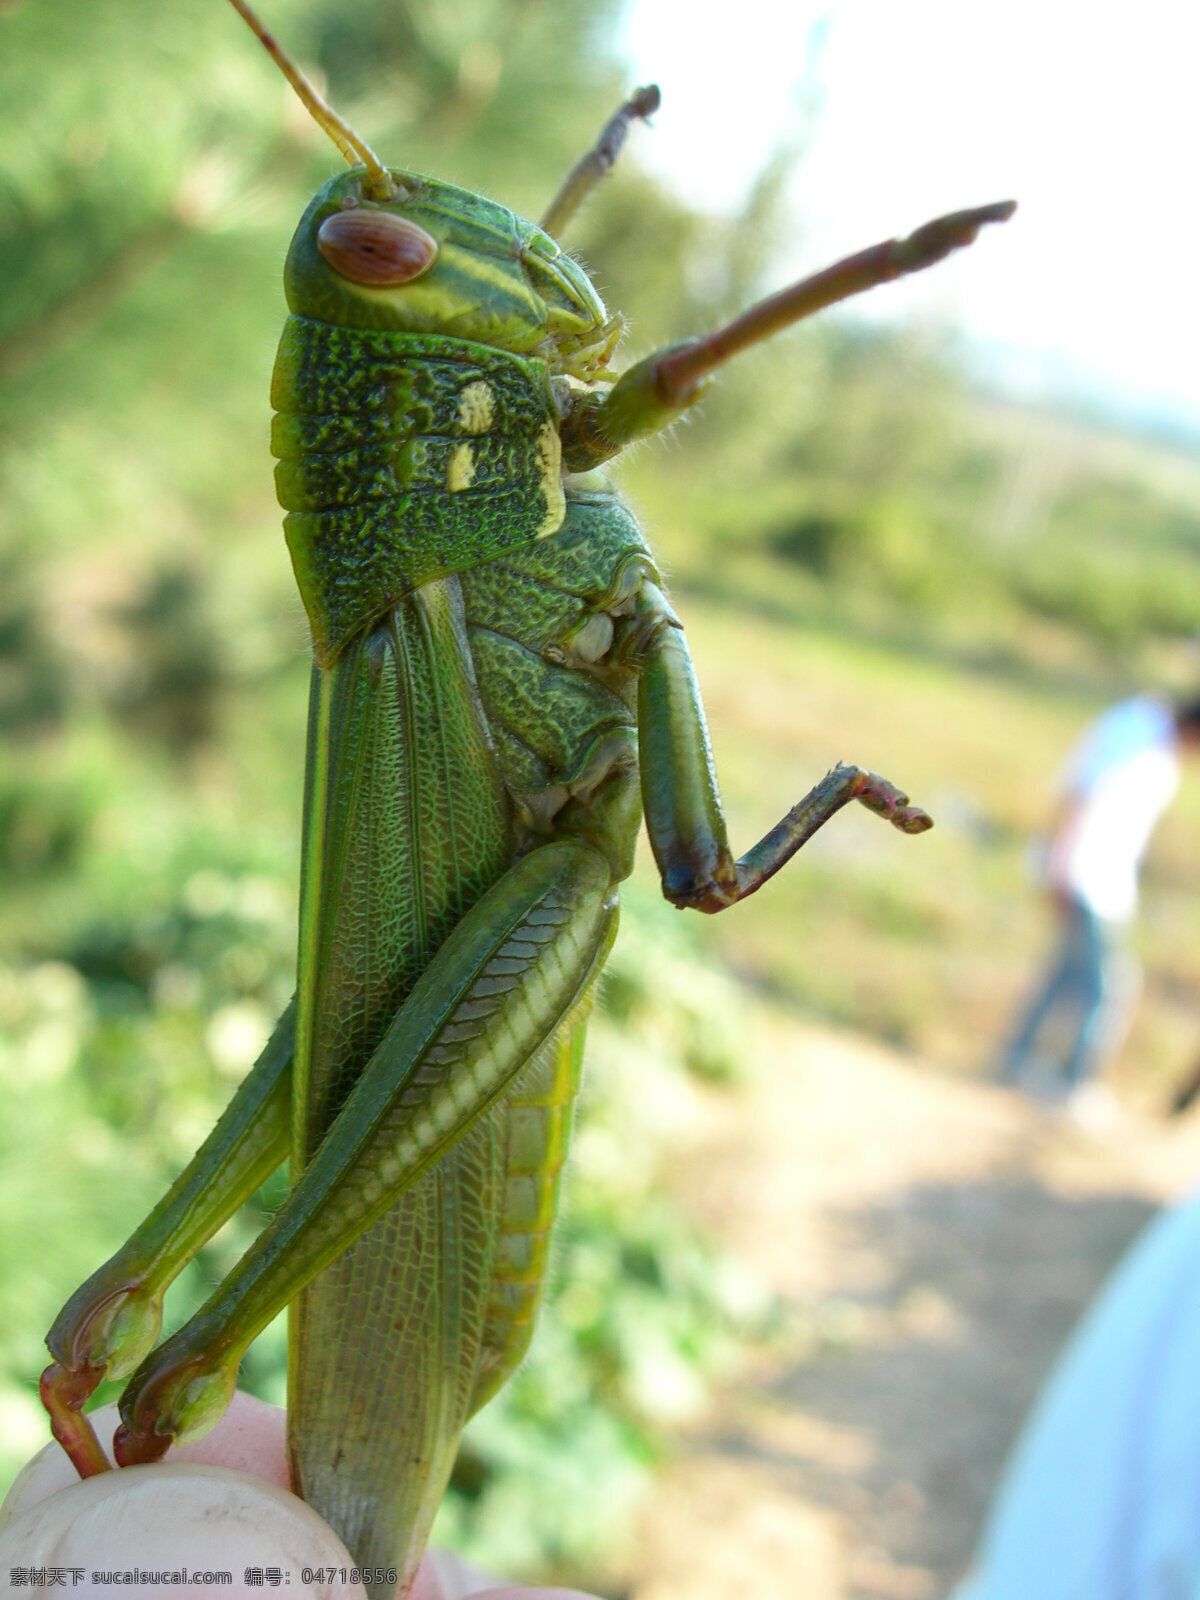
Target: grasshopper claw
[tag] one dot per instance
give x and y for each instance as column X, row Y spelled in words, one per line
column 171, row 1401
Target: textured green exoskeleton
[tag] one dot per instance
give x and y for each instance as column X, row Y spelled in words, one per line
column 499, row 689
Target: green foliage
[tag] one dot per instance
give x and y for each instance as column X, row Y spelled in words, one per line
column 907, row 498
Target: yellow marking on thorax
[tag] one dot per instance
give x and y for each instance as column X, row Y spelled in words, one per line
column 460, row 468
column 549, row 449
column 476, row 407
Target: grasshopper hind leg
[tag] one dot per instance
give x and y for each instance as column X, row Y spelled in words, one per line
column 515, row 970
column 113, row 1319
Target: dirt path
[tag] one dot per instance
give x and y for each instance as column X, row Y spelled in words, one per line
column 935, row 1241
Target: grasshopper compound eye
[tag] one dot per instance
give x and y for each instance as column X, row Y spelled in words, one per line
column 376, row 248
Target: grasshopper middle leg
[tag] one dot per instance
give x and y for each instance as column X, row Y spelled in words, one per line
column 112, row 1320
column 679, row 785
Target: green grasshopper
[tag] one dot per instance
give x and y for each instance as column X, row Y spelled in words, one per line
column 500, row 689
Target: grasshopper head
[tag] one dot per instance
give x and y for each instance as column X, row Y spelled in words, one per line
column 436, row 259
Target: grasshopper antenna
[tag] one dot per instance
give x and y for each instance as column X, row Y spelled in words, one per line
column 594, row 167
column 380, row 184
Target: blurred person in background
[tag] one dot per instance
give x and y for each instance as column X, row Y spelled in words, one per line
column 1118, row 781
column 1098, row 1500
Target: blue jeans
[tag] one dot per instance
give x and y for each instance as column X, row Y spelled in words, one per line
column 1089, row 974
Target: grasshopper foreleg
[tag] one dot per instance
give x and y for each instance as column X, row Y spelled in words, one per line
column 655, row 392
column 679, row 786
column 511, row 973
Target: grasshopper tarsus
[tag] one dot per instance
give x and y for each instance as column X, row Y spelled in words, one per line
column 912, row 819
column 646, row 100
column 133, row 1449
column 935, row 240
column 64, row 1391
